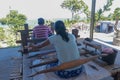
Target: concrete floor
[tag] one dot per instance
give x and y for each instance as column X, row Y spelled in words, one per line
column 5, row 61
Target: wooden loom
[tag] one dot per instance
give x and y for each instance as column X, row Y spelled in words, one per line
column 27, row 59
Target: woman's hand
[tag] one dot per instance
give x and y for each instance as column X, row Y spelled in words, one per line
column 32, row 47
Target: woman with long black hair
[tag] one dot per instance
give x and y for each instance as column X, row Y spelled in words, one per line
column 66, row 49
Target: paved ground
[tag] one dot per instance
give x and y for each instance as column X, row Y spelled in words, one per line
column 7, row 53
column 100, row 36
column 5, row 61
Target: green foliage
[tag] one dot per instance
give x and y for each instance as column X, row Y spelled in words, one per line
column 68, row 23
column 14, row 20
column 76, row 7
column 11, row 40
column 2, row 34
column 116, row 13
column 110, row 17
column 3, row 21
column 106, row 7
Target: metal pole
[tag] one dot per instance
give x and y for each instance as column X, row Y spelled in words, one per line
column 92, row 18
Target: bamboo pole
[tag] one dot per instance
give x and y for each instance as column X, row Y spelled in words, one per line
column 92, row 18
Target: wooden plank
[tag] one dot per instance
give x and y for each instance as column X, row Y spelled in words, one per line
column 44, row 63
column 24, row 30
column 26, row 70
column 42, row 53
column 96, row 46
column 32, row 40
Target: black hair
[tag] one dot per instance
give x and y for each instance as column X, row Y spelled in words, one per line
column 61, row 30
column 41, row 21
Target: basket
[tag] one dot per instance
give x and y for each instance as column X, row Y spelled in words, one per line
column 110, row 59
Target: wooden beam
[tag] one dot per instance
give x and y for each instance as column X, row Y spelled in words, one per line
column 44, row 63
column 42, row 53
column 96, row 46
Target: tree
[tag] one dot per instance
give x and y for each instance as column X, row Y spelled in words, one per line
column 106, row 7
column 76, row 7
column 14, row 20
column 116, row 13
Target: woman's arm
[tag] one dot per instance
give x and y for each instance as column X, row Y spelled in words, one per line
column 43, row 44
column 38, row 46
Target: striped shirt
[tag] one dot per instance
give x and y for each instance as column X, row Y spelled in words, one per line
column 41, row 31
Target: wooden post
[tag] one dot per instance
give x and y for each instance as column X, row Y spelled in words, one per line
column 26, row 62
column 26, row 70
column 92, row 18
column 116, row 39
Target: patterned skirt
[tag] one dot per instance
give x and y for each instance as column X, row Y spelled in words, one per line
column 67, row 74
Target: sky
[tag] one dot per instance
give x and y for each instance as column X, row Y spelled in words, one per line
column 48, row 9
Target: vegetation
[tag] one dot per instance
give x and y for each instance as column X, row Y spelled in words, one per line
column 76, row 7
column 116, row 13
column 2, row 34
column 99, row 14
column 15, row 21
